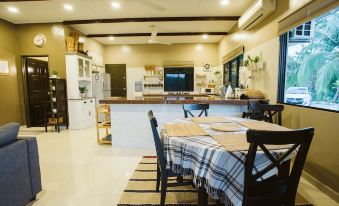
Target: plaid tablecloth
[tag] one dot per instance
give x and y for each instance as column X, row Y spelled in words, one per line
column 219, row 171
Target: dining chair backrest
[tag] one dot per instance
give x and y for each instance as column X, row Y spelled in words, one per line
column 297, row 141
column 188, row 108
column 158, row 146
column 252, row 109
column 268, row 111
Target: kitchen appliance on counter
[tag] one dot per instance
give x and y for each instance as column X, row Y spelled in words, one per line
column 207, row 91
column 101, row 86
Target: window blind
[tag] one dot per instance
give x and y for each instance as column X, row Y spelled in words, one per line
column 308, row 12
column 228, row 57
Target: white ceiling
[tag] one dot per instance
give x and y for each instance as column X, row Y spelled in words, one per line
column 53, row 11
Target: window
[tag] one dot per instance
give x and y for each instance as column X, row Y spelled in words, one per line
column 302, row 33
column 231, row 71
column 4, row 68
column 309, row 63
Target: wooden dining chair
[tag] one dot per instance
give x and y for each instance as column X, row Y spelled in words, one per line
column 266, row 112
column 279, row 190
column 251, row 108
column 188, row 108
column 162, row 172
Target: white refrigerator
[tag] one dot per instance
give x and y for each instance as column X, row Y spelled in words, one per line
column 101, row 86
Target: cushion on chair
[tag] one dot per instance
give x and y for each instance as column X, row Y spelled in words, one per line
column 8, row 133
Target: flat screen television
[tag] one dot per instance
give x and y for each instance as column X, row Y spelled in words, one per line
column 178, row 79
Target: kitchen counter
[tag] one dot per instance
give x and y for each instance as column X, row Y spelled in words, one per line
column 209, row 99
column 130, row 126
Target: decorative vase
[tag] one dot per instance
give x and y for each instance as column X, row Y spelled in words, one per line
column 83, row 95
column 259, row 65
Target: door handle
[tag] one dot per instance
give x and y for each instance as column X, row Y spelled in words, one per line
column 124, row 77
column 124, row 89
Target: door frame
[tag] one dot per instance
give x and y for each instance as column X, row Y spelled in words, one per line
column 25, row 85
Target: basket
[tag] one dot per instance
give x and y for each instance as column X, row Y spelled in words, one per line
column 69, row 43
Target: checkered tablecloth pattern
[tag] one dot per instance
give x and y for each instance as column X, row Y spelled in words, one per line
column 219, row 171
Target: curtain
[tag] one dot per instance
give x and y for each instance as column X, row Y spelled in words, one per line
column 282, row 67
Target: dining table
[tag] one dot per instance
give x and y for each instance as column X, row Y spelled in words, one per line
column 216, row 168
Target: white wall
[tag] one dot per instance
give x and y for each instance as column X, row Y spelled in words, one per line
column 137, row 73
column 267, row 79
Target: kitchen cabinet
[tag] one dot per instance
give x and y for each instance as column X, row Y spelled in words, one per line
column 79, row 74
column 81, row 113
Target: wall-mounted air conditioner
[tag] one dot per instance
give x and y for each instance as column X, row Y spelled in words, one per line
column 256, row 13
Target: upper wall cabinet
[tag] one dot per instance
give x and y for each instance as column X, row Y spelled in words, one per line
column 79, row 74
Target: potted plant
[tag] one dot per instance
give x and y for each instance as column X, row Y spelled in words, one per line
column 258, row 63
column 54, row 74
column 83, row 92
column 253, row 64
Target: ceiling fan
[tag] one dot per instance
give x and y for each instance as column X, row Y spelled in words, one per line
column 152, row 39
column 148, row 3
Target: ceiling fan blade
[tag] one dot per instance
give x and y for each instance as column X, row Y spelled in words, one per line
column 152, row 5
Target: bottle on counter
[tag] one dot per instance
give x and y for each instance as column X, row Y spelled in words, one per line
column 228, row 92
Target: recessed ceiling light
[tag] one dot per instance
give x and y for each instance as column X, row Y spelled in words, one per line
column 68, row 7
column 116, row 5
column 224, row 2
column 111, row 38
column 13, row 9
column 205, row 36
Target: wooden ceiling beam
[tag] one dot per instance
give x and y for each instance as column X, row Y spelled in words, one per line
column 159, row 34
column 21, row 0
column 153, row 19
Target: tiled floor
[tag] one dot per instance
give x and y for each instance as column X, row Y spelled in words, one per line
column 78, row 172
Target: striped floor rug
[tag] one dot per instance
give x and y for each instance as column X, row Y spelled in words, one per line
column 140, row 190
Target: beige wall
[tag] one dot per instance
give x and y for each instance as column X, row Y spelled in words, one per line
column 137, row 56
column 10, row 102
column 264, row 40
column 140, row 55
column 54, row 48
column 17, row 41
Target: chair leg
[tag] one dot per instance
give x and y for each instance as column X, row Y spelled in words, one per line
column 158, row 178
column 180, row 179
column 163, row 189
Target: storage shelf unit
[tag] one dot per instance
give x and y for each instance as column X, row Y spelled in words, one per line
column 103, row 110
column 200, row 80
column 79, row 74
column 59, row 107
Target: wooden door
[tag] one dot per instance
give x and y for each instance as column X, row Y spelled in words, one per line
column 118, row 79
column 37, row 91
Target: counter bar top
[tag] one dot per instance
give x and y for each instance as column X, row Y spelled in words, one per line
column 175, row 100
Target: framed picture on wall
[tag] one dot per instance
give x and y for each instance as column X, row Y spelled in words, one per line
column 4, row 67
column 207, row 67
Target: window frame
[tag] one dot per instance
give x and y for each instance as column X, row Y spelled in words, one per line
column 228, row 66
